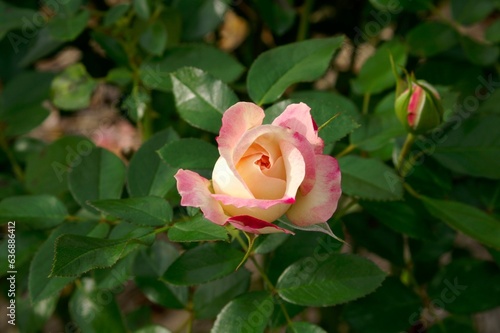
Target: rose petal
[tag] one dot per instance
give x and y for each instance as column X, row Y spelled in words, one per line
column 236, row 121
column 226, row 180
column 261, row 185
column 274, row 135
column 195, row 192
column 321, row 202
column 297, row 117
column 251, row 203
column 295, row 167
column 255, row 226
column 267, row 210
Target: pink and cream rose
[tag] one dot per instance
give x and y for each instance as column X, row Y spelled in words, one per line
column 266, row 171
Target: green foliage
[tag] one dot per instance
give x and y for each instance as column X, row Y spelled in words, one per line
column 37, row 212
column 367, row 314
column 201, row 99
column 196, row 229
column 102, row 102
column 100, row 175
column 336, row 279
column 369, row 179
column 275, row 70
column 145, row 211
column 203, row 263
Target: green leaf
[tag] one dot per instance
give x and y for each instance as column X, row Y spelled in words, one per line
column 471, row 11
column 113, row 49
column 335, row 279
column 120, row 76
column 75, row 254
column 27, row 243
column 21, row 112
column 268, row 243
column 367, row 314
column 67, row 7
column 469, row 220
column 68, row 29
column 303, row 245
column 279, row 16
column 399, row 216
column 154, row 38
column 204, row 263
column 468, row 146
column 189, row 154
column 275, row 70
column 376, row 74
column 117, row 275
column 41, row 46
column 492, row 34
column 46, row 171
column 142, row 9
column 40, row 286
column 115, row 13
column 324, row 106
column 35, row 211
column 370, row 179
column 454, row 324
column 145, row 211
column 100, row 175
column 199, row 17
column 491, row 103
column 154, row 261
column 197, row 229
column 201, row 99
column 152, row 329
column 91, row 313
column 147, row 173
column 443, row 38
column 379, row 128
column 375, row 237
column 11, row 17
column 136, row 103
column 249, row 312
column 156, row 73
column 73, row 88
column 304, row 327
column 480, row 53
column 9, row 186
column 466, row 286
column 149, row 266
column 395, row 7
column 211, row 297
column 31, row 318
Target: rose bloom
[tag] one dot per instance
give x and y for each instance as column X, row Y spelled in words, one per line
column 265, row 171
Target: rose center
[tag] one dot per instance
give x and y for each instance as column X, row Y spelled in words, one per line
column 263, row 162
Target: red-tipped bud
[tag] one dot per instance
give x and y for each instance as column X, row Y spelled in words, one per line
column 419, row 107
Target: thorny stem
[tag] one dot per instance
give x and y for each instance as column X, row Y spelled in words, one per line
column 410, row 138
column 162, row 229
column 411, row 190
column 304, row 20
column 263, row 274
column 346, row 151
column 366, row 103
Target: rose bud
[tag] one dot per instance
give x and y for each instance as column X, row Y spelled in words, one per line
column 266, row 171
column 419, row 107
